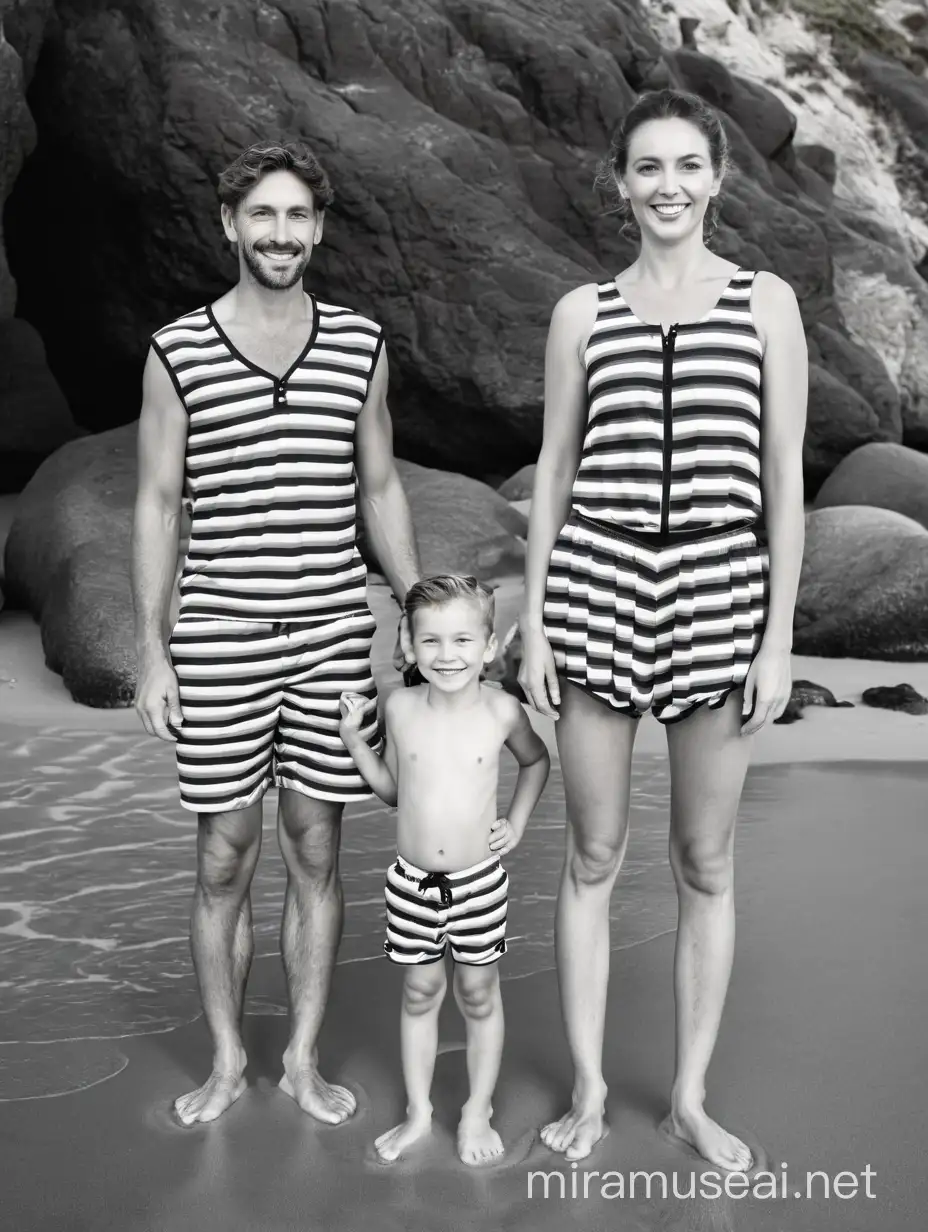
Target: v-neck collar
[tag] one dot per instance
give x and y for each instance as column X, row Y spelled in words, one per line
column 227, row 341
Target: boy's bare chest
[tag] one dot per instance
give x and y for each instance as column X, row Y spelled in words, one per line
column 452, row 749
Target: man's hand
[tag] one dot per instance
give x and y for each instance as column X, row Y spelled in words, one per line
column 502, row 836
column 157, row 699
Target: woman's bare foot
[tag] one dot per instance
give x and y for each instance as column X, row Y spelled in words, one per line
column 478, row 1141
column 709, row 1140
column 578, row 1131
column 219, row 1092
column 391, row 1145
column 323, row 1100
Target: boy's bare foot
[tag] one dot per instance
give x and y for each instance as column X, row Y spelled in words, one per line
column 219, row 1092
column 395, row 1141
column 708, row 1139
column 478, row 1141
column 323, row 1100
column 578, row 1131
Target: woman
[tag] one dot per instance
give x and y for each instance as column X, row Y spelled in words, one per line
column 663, row 562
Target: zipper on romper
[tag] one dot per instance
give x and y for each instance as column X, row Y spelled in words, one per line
column 668, row 341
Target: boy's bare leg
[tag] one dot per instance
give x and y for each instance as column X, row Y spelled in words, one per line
column 424, row 990
column 476, row 990
column 222, row 944
column 309, row 832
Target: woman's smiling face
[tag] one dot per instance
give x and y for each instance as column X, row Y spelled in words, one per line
column 669, row 178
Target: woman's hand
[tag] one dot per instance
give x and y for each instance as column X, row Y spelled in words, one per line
column 537, row 674
column 767, row 688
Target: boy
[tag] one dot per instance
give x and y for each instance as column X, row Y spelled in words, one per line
column 440, row 767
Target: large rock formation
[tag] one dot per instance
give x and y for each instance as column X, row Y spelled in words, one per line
column 68, row 553
column 34, row 417
column 886, row 476
column 463, row 142
column 864, row 586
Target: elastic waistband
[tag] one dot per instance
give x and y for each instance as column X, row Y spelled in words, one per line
column 655, row 539
column 466, row 874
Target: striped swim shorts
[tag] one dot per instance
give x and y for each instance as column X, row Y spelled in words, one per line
column 260, row 706
column 661, row 624
column 427, row 912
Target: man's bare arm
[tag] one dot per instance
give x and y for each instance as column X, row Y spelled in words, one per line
column 387, row 518
column 161, row 447
column 162, row 441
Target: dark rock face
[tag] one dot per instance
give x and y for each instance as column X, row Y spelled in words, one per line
column 863, row 592
column 896, row 697
column 886, row 476
column 34, row 417
column 462, row 142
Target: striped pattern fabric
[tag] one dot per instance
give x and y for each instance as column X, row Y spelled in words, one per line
column 427, row 912
column 649, row 627
column 260, row 705
column 270, row 469
column 673, row 434
column 657, row 586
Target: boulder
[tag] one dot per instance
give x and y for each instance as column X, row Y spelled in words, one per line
column 461, row 524
column 863, row 591
column 83, row 493
column 839, row 421
column 860, row 368
column 518, row 487
column 88, row 630
column 34, row 417
column 885, row 476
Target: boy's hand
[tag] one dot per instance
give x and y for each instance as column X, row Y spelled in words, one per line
column 352, row 708
column 502, row 836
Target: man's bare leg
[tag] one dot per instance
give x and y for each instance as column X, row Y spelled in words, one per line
column 708, row 762
column 309, row 831
column 424, row 990
column 222, row 944
column 477, row 993
column 595, row 747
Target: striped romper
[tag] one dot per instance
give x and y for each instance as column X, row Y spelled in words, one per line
column 657, row 586
column 274, row 622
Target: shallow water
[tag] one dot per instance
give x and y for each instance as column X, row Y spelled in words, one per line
column 96, row 872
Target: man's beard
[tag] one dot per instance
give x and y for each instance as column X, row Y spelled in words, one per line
column 272, row 278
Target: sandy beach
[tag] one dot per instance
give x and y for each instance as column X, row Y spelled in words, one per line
column 99, row 1023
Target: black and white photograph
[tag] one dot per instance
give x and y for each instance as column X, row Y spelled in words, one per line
column 463, row 615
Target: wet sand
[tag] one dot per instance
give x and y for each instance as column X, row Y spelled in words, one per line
column 818, row 1061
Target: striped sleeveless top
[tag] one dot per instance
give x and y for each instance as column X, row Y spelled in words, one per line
column 270, row 469
column 673, row 432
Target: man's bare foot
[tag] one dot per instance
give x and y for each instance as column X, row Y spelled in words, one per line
column 708, row 1139
column 323, row 1100
column 394, row 1142
column 578, row 1131
column 219, row 1092
column 478, row 1141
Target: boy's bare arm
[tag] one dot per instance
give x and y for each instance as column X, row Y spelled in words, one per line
column 378, row 772
column 530, row 751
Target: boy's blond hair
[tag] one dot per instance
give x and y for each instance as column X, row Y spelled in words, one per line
column 445, row 588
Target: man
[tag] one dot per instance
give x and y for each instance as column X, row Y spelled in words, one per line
column 265, row 410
